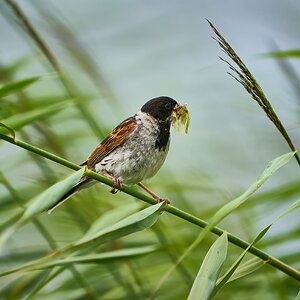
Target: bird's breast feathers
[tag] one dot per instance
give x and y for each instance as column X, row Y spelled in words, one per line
column 139, row 157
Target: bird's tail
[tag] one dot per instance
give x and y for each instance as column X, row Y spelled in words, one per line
column 82, row 184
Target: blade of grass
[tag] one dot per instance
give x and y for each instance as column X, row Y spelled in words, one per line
column 18, row 121
column 110, row 218
column 286, row 66
column 50, row 274
column 245, row 269
column 291, row 53
column 57, row 270
column 223, row 280
column 16, row 86
column 53, row 273
column 245, row 77
column 7, row 128
column 24, row 103
column 210, row 269
column 133, row 223
column 271, row 168
column 18, row 288
column 10, row 69
column 45, row 200
column 92, row 258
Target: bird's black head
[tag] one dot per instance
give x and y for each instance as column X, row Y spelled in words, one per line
column 160, row 108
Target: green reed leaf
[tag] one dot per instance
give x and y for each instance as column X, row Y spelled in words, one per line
column 15, row 86
column 93, row 258
column 210, row 269
column 292, row 53
column 18, row 121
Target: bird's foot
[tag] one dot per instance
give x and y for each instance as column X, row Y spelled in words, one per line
column 159, row 200
column 153, row 195
column 117, row 186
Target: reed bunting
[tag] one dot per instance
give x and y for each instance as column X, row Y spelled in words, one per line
column 136, row 149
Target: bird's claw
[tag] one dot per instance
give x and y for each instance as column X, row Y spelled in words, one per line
column 117, row 186
column 166, row 200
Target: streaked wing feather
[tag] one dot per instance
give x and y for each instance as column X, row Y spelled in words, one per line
column 118, row 136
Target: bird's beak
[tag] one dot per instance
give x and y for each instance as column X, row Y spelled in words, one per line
column 181, row 118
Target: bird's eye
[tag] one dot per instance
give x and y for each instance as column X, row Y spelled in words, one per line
column 168, row 106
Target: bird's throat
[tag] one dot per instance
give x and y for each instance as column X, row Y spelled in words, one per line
column 163, row 137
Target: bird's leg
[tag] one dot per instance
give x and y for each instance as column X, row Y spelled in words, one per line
column 117, row 183
column 156, row 197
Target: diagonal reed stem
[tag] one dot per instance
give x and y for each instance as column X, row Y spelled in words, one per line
column 280, row 265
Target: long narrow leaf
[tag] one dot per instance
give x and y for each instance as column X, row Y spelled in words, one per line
column 49, row 197
column 9, row 70
column 91, row 258
column 16, row 86
column 298, row 296
column 111, row 217
column 19, row 120
column 228, row 276
column 136, row 222
column 210, row 269
column 245, row 269
column 292, row 53
column 290, row 209
column 50, row 274
column 228, row 208
column 7, row 128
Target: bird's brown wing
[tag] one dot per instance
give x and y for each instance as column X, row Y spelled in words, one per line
column 116, row 138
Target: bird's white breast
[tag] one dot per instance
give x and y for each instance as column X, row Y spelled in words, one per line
column 137, row 158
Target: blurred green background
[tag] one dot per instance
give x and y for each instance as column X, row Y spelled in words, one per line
column 117, row 55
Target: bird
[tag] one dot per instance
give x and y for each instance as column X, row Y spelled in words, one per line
column 134, row 151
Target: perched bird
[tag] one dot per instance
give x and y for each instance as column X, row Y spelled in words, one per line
column 135, row 150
